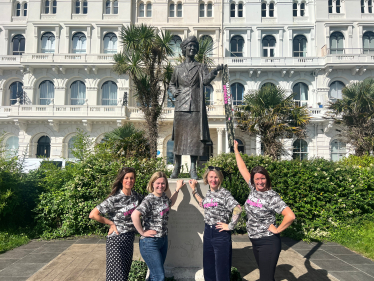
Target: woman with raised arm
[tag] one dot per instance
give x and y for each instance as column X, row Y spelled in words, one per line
column 218, row 206
column 154, row 210
column 118, row 207
column 261, row 206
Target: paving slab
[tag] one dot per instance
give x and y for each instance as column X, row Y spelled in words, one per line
column 353, row 276
column 21, row 269
column 355, row 259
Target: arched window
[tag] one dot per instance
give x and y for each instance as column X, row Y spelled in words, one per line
column 302, row 9
column 110, row 43
column 179, row 10
column 171, row 100
column 209, row 43
column 208, row 91
column 46, row 6
column 368, row 42
column 338, row 150
column 141, row 10
column 18, row 9
column 232, row 9
column 175, row 45
column 335, row 92
column 271, row 9
column 202, row 9
column 263, row 9
column 107, row 7
column 240, row 10
column 16, row 91
column 336, row 43
column 301, row 91
column 25, row 9
column 172, row 10
column 236, row 46
column 48, row 42
column 78, row 93
column 71, row 147
column 267, row 84
column 79, row 43
column 330, row 6
column 149, row 10
column 241, row 147
column 209, row 10
column 294, row 9
column 237, row 92
column 18, row 45
column 299, row 46
column 300, row 150
column 11, row 147
column 109, row 93
column 115, row 7
column 46, row 92
column 268, row 46
column 170, row 152
column 44, row 147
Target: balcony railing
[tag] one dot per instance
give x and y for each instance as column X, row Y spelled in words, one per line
column 270, row 61
column 67, row 58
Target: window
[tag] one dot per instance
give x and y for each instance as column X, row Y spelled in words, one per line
column 11, row 147
column 25, row 9
column 149, row 10
column 78, row 93
column 237, row 91
column 263, row 10
column 209, row 41
column 240, row 10
column 271, row 10
column 81, row 7
column 141, row 10
column 115, row 7
column 294, row 8
column 172, row 10
column 232, row 9
column 18, row 45
column 170, row 152
column 175, row 45
column 71, row 147
column 362, row 6
column 338, row 6
column 111, row 7
column 208, row 91
column 18, row 9
column 107, row 7
column 77, row 7
column 336, row 43
column 110, row 43
column 335, row 92
column 16, row 92
column 302, row 9
column 368, row 43
column 338, row 150
column 268, row 46
column 46, row 7
column 79, row 43
column 48, row 42
column 209, row 10
column 370, row 6
column 300, row 150
column 109, row 93
column 330, row 6
column 299, row 46
column 46, row 92
column 171, row 100
column 240, row 145
column 301, row 94
column 268, row 84
column 44, row 147
column 236, row 46
column 179, row 10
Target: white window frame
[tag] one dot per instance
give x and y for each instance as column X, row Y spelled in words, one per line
column 82, row 4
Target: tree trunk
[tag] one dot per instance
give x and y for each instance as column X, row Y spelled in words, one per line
column 152, row 136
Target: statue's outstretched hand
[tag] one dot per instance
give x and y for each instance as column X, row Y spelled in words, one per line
column 219, row 67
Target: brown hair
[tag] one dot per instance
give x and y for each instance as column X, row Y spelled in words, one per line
column 263, row 171
column 117, row 185
column 218, row 173
column 155, row 177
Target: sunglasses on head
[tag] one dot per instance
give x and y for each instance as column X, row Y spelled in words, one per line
column 211, row 168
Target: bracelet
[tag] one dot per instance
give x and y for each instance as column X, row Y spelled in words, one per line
column 194, row 192
column 237, row 153
column 177, row 191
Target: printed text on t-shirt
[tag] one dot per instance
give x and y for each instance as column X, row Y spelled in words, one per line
column 255, row 204
column 210, row 204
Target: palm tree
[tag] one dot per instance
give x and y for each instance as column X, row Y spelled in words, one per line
column 353, row 114
column 145, row 59
column 272, row 115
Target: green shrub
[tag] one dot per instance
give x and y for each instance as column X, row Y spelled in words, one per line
column 138, row 271
column 235, row 274
column 358, row 161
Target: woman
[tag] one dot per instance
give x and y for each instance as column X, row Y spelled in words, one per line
column 262, row 204
column 121, row 202
column 218, row 205
column 154, row 234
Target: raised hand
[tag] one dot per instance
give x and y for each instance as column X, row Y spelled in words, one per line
column 236, row 144
column 180, row 184
column 192, row 183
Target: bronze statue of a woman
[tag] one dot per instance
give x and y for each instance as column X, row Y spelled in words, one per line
column 190, row 128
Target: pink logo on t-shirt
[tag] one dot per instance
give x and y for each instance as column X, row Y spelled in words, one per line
column 165, row 210
column 255, row 204
column 210, row 204
column 129, row 212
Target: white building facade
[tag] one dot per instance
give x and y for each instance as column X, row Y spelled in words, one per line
column 56, row 62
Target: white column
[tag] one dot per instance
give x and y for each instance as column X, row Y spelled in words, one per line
column 258, row 145
column 219, row 140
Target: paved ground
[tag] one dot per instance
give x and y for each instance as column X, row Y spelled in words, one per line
column 84, row 259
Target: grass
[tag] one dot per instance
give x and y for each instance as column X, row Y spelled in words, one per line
column 10, row 239
column 357, row 238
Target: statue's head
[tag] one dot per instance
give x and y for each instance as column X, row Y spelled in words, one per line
column 189, row 40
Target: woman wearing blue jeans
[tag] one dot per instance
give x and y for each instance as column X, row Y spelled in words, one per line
column 154, row 234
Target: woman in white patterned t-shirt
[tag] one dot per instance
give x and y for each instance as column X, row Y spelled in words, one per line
column 261, row 206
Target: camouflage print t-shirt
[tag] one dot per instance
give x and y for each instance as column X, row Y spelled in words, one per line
column 155, row 213
column 261, row 208
column 118, row 208
column 218, row 206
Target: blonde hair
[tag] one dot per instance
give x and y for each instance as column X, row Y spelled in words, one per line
column 155, row 177
column 218, row 173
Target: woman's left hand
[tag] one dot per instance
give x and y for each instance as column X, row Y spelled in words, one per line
column 273, row 229
column 180, row 184
column 222, row 226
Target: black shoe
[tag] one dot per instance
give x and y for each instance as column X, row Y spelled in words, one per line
column 193, row 174
column 175, row 173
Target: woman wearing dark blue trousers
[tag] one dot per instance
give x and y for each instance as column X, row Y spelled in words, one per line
column 218, row 205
